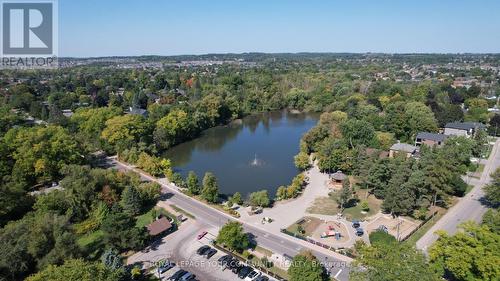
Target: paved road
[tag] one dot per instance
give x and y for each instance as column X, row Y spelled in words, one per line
column 277, row 242
column 469, row 207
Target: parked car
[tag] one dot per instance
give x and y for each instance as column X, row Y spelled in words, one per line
column 244, row 272
column 235, row 266
column 224, row 259
column 252, row 275
column 201, row 235
column 166, row 267
column 187, row 276
column 262, row 278
column 210, row 253
column 203, row 249
column 356, row 224
column 359, row 231
column 177, row 275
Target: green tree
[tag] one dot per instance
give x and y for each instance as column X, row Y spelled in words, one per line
column 471, row 254
column 281, row 193
column 120, row 232
column 232, row 236
column 92, row 121
column 345, row 194
column 306, row 267
column 381, row 237
column 210, row 190
column 77, row 270
column 125, row 131
column 237, row 198
column 358, row 132
column 172, row 129
column 492, row 219
column 492, row 190
column 302, row 161
column 399, row 197
column 131, row 201
column 112, row 259
column 260, row 198
column 193, row 183
column 392, row 261
column 40, row 153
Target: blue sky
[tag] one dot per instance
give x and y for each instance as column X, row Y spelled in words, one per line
column 171, row 27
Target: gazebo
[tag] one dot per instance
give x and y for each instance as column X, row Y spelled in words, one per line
column 338, row 177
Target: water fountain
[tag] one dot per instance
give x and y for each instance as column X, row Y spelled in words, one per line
column 256, row 161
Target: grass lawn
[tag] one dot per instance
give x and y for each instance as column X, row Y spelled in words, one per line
column 90, row 238
column 329, row 206
column 412, row 240
column 177, row 209
column 264, row 251
column 92, row 243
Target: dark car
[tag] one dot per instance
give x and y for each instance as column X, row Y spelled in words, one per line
column 226, row 262
column 210, row 253
column 203, row 249
column 166, row 267
column 244, row 272
column 356, row 224
column 262, row 278
column 187, row 276
column 359, row 231
column 177, row 275
column 235, row 266
column 224, row 259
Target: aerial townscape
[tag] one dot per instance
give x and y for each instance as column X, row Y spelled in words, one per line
column 249, row 165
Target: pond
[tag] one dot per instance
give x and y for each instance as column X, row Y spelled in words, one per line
column 247, row 155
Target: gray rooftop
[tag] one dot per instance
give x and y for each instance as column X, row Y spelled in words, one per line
column 431, row 136
column 464, row 125
column 404, row 147
column 339, row 176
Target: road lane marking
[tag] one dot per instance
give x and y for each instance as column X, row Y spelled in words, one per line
column 338, row 273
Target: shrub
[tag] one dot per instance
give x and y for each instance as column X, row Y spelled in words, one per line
column 364, row 206
column 381, row 237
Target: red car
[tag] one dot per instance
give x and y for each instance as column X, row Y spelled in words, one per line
column 201, row 235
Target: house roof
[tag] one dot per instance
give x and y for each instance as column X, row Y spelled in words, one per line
column 464, row 125
column 158, row 226
column 339, row 176
column 404, row 147
column 138, row 111
column 432, row 136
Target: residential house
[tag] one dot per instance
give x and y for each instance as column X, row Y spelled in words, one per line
column 408, row 149
column 466, row 129
column 430, row 139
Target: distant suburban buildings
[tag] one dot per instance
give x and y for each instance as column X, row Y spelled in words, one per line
column 466, row 129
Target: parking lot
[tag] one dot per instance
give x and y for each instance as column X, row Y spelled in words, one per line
column 181, row 248
column 204, row 265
